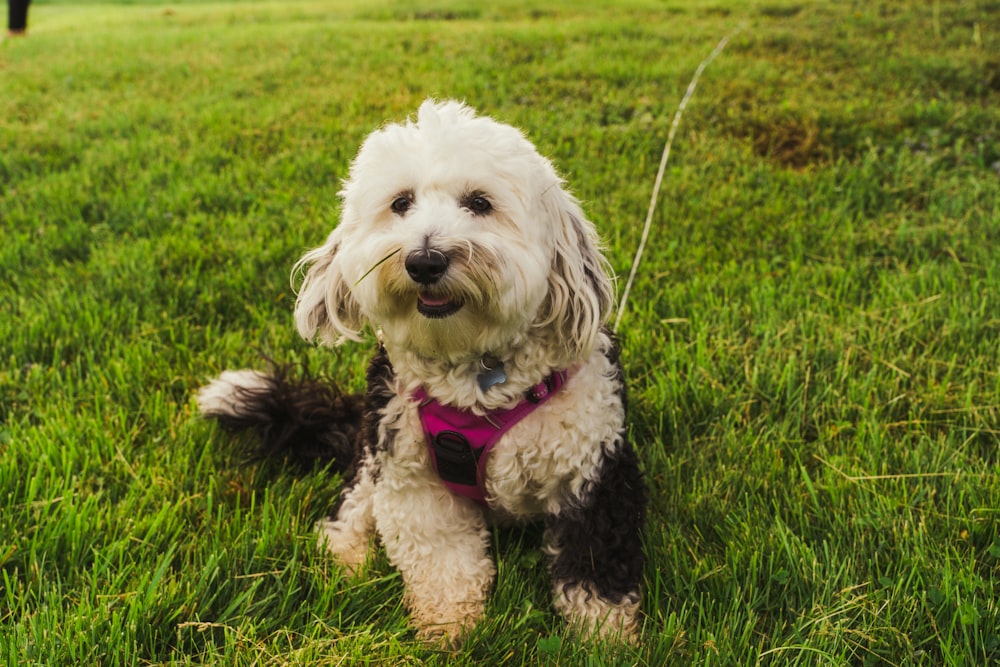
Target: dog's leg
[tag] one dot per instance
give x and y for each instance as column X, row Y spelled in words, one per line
column 347, row 534
column 596, row 551
column 439, row 543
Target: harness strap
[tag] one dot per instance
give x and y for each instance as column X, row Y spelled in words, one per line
column 460, row 441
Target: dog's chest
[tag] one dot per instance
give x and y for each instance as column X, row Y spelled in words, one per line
column 544, row 459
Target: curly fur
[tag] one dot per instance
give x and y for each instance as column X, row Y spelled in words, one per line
column 459, row 243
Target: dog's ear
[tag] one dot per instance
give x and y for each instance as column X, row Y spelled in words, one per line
column 325, row 308
column 581, row 290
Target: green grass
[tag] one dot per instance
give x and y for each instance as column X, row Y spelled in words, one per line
column 812, row 344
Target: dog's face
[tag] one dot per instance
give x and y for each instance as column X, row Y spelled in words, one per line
column 456, row 240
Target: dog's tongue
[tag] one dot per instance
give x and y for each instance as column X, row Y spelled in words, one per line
column 433, row 301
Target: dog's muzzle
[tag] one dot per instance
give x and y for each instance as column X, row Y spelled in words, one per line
column 426, row 267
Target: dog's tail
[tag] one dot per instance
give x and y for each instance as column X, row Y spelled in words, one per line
column 305, row 420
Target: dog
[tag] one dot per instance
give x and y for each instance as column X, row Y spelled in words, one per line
column 496, row 392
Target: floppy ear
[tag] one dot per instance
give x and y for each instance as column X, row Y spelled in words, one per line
column 581, row 290
column 325, row 307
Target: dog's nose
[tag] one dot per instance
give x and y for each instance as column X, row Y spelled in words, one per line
column 426, row 266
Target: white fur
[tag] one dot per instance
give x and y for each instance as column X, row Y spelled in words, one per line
column 221, row 396
column 593, row 616
column 348, row 535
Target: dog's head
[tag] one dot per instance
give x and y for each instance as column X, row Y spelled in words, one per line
column 457, row 240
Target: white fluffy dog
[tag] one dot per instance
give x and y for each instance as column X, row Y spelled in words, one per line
column 496, row 391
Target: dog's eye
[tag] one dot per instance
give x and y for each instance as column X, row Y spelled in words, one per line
column 478, row 204
column 401, row 204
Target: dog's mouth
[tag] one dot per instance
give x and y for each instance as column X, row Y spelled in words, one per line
column 436, row 307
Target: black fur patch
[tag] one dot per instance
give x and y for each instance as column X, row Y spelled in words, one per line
column 614, row 356
column 600, row 543
column 380, row 379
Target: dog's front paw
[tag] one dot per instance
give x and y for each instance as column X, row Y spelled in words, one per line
column 594, row 617
column 447, row 635
column 349, row 547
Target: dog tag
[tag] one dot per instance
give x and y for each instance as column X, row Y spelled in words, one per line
column 492, row 376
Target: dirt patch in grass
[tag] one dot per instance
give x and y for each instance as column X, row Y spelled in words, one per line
column 791, row 142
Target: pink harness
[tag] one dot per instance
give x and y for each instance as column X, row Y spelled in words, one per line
column 460, row 441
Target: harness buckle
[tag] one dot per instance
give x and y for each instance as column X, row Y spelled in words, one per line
column 457, row 461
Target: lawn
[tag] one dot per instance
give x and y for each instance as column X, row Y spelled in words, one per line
column 812, row 342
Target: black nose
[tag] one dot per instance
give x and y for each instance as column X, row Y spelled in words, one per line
column 426, row 266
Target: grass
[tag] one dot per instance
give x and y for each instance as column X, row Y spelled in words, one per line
column 812, row 343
